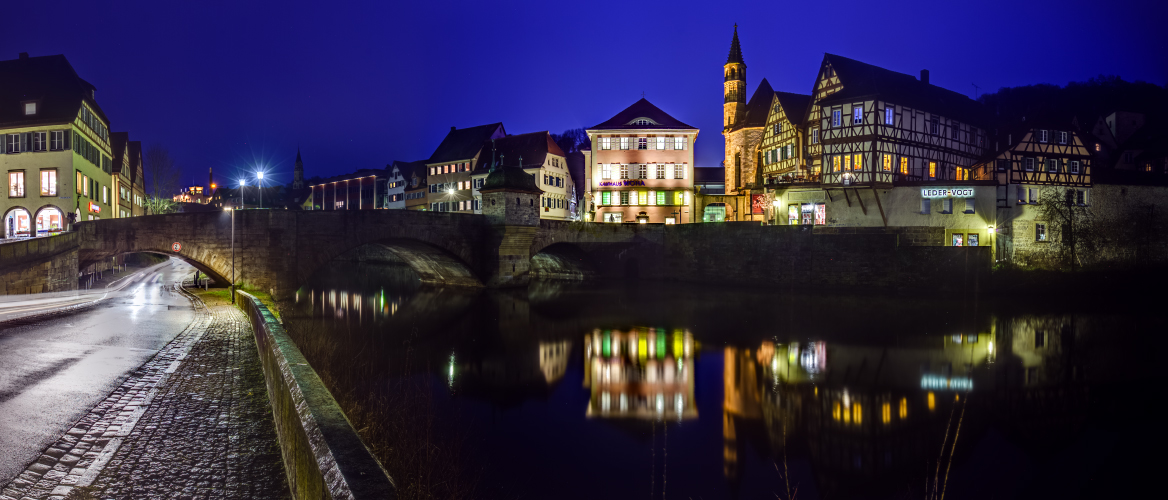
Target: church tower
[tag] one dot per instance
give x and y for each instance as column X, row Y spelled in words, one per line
column 734, row 85
column 298, row 172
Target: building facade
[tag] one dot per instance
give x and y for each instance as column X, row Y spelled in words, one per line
column 397, row 179
column 539, row 156
column 449, row 169
column 640, row 168
column 56, row 153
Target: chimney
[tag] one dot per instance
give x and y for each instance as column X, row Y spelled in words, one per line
column 452, row 128
column 24, row 56
column 925, row 76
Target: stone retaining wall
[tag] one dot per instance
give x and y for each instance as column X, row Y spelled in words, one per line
column 39, row 265
column 323, row 455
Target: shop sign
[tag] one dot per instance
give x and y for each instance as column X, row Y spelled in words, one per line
column 94, row 208
column 624, row 183
column 176, row 247
column 946, row 192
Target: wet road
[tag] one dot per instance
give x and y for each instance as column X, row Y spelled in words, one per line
column 52, row 371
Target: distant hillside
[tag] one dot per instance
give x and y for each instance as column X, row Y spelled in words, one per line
column 1086, row 101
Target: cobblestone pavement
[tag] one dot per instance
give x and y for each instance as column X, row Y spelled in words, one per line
column 193, row 422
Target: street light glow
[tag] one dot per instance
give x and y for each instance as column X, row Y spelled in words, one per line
column 260, row 175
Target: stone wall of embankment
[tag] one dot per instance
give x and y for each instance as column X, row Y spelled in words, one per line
column 323, row 455
column 39, row 265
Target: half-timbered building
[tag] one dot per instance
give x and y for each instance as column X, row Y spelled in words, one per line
column 875, row 126
column 1034, row 154
column 782, row 146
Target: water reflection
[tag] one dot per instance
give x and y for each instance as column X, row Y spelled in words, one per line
column 887, row 401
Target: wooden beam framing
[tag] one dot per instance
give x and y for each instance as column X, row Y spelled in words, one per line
column 876, row 194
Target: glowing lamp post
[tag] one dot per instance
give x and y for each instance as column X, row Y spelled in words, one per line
column 242, row 182
column 260, row 176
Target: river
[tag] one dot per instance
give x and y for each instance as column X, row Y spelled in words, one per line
column 567, row 390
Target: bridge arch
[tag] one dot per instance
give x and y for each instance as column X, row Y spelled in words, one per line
column 563, row 261
column 432, row 264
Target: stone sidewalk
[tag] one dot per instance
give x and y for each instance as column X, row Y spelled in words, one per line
column 193, row 422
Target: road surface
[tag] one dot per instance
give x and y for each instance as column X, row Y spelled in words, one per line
column 54, row 370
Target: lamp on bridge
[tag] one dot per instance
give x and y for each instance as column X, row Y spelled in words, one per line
column 242, row 182
column 260, row 176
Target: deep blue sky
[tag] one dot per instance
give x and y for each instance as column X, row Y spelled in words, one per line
column 226, row 85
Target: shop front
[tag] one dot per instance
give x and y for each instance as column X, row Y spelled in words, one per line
column 49, row 220
column 17, row 223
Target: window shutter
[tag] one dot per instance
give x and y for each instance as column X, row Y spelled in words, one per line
column 3, row 143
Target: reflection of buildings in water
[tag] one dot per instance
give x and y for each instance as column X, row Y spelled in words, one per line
column 340, row 304
column 641, row 373
column 871, row 416
column 553, row 359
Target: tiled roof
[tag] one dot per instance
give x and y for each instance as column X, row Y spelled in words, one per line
column 118, row 142
column 758, row 107
column 862, row 80
column 735, row 49
column 135, row 163
column 532, row 147
column 48, row 79
column 465, row 143
column 510, row 179
column 709, row 175
column 794, row 105
column 641, row 109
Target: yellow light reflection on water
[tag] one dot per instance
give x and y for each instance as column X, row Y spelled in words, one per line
column 857, row 413
column 932, row 401
column 835, row 411
column 886, row 412
column 903, row 407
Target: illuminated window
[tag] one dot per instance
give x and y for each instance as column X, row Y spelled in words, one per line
column 661, row 197
column 85, row 187
column 16, row 184
column 606, row 198
column 1097, row 146
column 904, row 165
column 814, row 136
column 660, row 171
column 605, row 143
column 932, row 400
column 643, row 143
column 858, row 161
column 932, row 170
column 857, row 115
column 792, row 214
column 1043, row 135
column 886, row 412
column 847, row 162
column 835, row 117
column 48, row 183
column 624, row 143
column 960, row 174
column 643, row 172
column 903, row 407
column 679, row 171
column 661, row 143
column 835, row 163
column 820, row 214
column 889, row 114
column 624, row 171
column 777, row 128
column 605, row 171
column 1039, row 232
column 624, row 197
column 958, row 239
column 30, row 108
column 887, row 163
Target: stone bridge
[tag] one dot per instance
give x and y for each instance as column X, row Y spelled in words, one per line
column 278, row 251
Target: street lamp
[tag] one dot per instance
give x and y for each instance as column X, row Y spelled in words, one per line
column 260, row 175
column 242, row 182
column 232, row 253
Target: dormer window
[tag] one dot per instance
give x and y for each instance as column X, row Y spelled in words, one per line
column 642, row 122
column 30, row 108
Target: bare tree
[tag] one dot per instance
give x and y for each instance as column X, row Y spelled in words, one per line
column 1074, row 232
column 571, row 140
column 162, row 179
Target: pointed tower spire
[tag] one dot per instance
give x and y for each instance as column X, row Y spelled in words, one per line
column 735, row 49
column 298, row 172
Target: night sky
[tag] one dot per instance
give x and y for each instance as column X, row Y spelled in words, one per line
column 231, row 86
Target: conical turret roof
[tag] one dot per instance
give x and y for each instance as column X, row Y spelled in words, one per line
column 735, row 50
